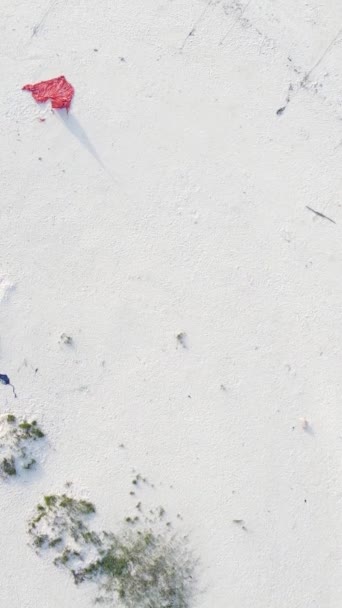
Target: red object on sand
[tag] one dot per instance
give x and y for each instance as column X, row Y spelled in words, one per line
column 59, row 90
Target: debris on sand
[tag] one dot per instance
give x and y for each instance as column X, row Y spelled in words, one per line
column 304, row 424
column 182, row 339
column 57, row 90
column 65, row 339
column 240, row 523
column 4, row 379
column 320, row 214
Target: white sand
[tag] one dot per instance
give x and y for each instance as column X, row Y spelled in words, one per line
column 173, row 199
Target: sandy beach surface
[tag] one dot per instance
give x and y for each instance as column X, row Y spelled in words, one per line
column 168, row 227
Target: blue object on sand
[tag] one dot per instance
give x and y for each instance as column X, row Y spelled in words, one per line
column 4, row 379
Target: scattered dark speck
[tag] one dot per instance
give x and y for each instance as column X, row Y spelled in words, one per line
column 96, row 50
column 241, row 523
column 182, row 339
column 66, row 339
column 281, row 111
column 122, row 59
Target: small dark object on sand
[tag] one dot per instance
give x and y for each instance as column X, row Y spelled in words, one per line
column 320, row 214
column 182, row 339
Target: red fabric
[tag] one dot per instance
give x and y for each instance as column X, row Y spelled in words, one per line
column 59, row 90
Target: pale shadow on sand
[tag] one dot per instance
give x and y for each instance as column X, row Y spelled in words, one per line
column 76, row 129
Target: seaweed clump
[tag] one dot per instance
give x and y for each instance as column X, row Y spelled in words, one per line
column 60, row 523
column 18, row 445
column 140, row 566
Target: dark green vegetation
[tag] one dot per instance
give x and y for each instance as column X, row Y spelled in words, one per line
column 60, row 520
column 18, row 445
column 141, row 566
column 8, row 466
column 30, row 430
